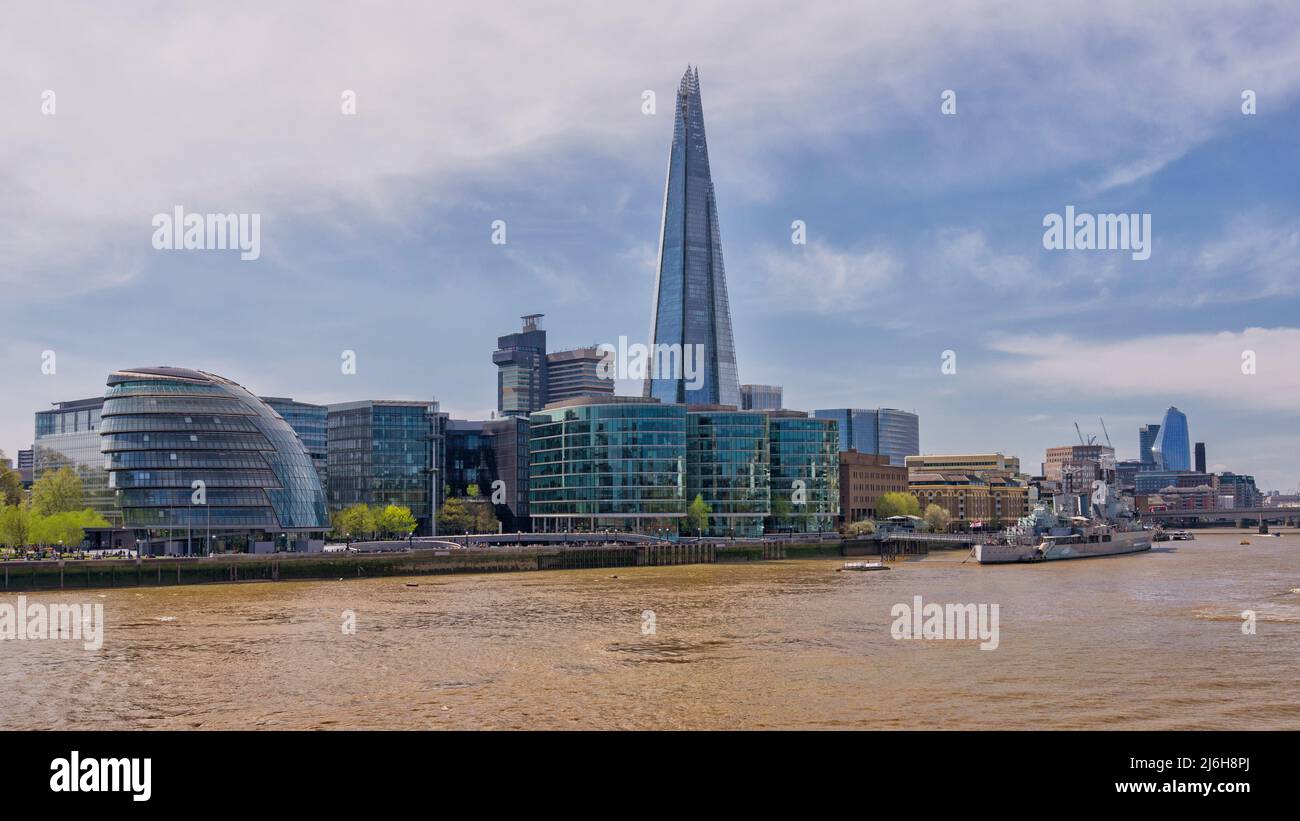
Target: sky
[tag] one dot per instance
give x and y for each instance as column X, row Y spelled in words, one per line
column 924, row 228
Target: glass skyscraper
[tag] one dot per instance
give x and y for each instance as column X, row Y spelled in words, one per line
column 690, row 304
column 804, row 450
column 1146, row 439
column 1172, row 449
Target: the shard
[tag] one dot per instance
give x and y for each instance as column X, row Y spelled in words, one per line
column 690, row 307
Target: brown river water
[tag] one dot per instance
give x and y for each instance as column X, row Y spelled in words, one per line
column 1147, row 641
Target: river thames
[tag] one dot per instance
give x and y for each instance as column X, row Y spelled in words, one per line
column 1149, row 641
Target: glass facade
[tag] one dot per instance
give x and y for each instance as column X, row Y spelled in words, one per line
column 727, row 465
column 68, row 436
column 521, row 369
column 1172, row 449
column 884, row 431
column 1146, row 440
column 761, row 397
column 384, row 452
column 164, row 429
column 690, row 306
column 309, row 422
column 615, row 466
column 805, row 472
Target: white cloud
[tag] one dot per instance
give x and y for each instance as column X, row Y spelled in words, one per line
column 823, row 279
column 1171, row 367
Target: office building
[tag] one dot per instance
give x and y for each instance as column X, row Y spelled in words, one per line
column 1172, row 449
column 173, row 436
column 970, row 499
column 1146, row 439
column 690, row 294
column 573, row 373
column 761, row 397
column 885, row 431
column 510, row 455
column 608, row 463
column 1076, row 467
column 1200, row 457
column 1153, row 481
column 728, row 466
column 864, row 478
column 26, row 467
column 521, row 369
column 68, row 436
column 981, row 464
column 1241, row 488
column 805, row 472
column 384, row 452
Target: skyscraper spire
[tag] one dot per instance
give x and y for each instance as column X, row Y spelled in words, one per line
column 690, row 306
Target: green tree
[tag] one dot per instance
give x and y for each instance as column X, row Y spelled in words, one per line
column 780, row 509
column 58, row 492
column 897, row 504
column 65, row 530
column 11, row 483
column 486, row 516
column 697, row 515
column 354, row 522
column 456, row 517
column 472, row 490
column 395, row 520
column 937, row 518
column 15, row 525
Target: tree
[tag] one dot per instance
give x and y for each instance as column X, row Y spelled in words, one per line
column 456, row 517
column 897, row 504
column 697, row 515
column 780, row 510
column 486, row 516
column 395, row 520
column 15, row 525
column 866, row 527
column 11, row 483
column 354, row 521
column 66, row 530
column 58, row 492
column 937, row 518
column 472, row 490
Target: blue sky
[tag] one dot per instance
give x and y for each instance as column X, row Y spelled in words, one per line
column 924, row 230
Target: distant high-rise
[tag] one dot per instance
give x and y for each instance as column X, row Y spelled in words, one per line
column 690, row 303
column 1146, row 438
column 886, row 431
column 1172, row 448
column 521, row 369
column 1200, row 457
column 761, row 397
column 575, row 373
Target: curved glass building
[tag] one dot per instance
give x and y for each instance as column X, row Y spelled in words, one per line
column 163, row 431
column 727, row 465
column 607, row 463
column 1172, row 449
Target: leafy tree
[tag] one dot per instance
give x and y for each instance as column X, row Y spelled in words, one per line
column 395, row 520
column 486, row 520
column 58, row 492
column 355, row 521
column 456, row 517
column 937, row 518
column 780, row 509
column 697, row 515
column 66, row 529
column 11, row 483
column 15, row 525
column 897, row 504
column 472, row 490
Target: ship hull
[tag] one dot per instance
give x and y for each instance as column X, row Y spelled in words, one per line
column 1122, row 545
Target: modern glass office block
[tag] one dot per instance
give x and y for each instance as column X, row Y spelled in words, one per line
column 690, row 305
column 727, row 465
column 805, row 472
column 609, row 466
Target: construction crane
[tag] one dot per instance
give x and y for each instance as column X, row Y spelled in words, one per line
column 1076, row 430
column 1103, row 430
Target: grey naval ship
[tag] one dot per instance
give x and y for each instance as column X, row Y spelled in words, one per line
column 1046, row 535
